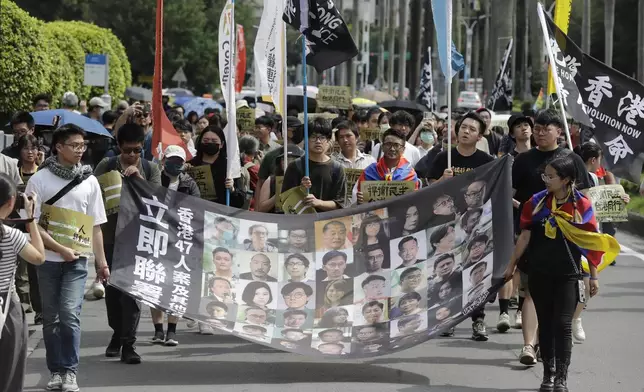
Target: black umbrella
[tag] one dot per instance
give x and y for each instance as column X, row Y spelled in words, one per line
column 409, row 106
column 138, row 93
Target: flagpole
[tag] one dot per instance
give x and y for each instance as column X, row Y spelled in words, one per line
column 305, row 108
column 553, row 66
column 231, row 87
column 283, row 97
column 449, row 77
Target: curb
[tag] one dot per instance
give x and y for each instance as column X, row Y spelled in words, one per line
column 35, row 331
column 634, row 225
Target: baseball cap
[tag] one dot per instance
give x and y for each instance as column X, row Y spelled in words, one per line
column 174, row 151
column 123, row 105
column 70, row 99
column 293, row 122
column 516, row 119
column 242, row 103
column 293, row 151
column 97, row 101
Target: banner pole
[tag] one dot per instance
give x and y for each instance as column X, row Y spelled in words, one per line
column 283, row 97
column 553, row 66
column 231, row 86
column 305, row 108
column 449, row 77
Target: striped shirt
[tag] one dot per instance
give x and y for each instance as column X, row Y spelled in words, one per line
column 11, row 244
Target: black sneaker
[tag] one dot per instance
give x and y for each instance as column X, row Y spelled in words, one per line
column 479, row 332
column 448, row 333
column 158, row 338
column 171, row 339
column 38, row 319
column 114, row 348
column 130, row 356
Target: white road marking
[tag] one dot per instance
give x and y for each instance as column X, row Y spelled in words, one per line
column 626, row 251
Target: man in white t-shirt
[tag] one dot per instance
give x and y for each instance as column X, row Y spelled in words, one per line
column 403, row 122
column 62, row 277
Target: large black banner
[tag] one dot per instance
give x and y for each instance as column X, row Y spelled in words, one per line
column 328, row 40
column 426, row 89
column 501, row 97
column 604, row 99
column 358, row 282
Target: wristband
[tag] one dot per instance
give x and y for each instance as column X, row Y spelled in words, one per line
column 591, row 278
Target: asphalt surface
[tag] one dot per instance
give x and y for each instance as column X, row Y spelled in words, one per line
column 611, row 359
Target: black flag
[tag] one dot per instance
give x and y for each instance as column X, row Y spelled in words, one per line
column 426, row 89
column 604, row 99
column 328, row 40
column 501, row 97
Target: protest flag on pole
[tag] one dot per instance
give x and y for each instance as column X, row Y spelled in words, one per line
column 562, row 10
column 501, row 97
column 426, row 90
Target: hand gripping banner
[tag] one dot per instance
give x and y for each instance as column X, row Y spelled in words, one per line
column 358, row 282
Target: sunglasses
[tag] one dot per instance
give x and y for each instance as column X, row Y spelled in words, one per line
column 136, row 150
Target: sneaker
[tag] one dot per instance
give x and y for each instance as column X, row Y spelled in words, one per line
column 518, row 320
column 191, row 324
column 98, row 290
column 55, row 382
column 129, row 356
column 38, row 318
column 69, row 383
column 448, row 334
column 158, row 338
column 171, row 339
column 578, row 330
column 528, row 356
column 114, row 348
column 614, row 263
column 479, row 332
column 205, row 329
column 504, row 323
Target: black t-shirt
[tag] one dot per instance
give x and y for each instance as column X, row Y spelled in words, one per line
column 423, row 166
column 460, row 164
column 530, row 165
column 493, row 142
column 327, row 179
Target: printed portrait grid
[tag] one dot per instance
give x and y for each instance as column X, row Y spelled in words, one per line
column 357, row 285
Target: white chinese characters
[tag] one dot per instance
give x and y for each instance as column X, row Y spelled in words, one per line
column 618, row 148
column 633, row 109
column 599, row 87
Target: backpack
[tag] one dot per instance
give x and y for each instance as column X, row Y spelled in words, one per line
column 147, row 167
column 245, row 181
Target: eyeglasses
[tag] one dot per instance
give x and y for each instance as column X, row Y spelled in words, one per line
column 128, row 151
column 473, row 193
column 77, row 146
column 295, row 296
column 295, row 264
column 32, row 148
column 320, row 138
column 298, row 236
column 546, row 178
column 392, row 146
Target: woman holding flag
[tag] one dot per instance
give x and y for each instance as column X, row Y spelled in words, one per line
column 558, row 226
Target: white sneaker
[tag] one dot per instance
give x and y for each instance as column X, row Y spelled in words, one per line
column 518, row 320
column 191, row 324
column 69, row 383
column 98, row 290
column 504, row 322
column 206, row 329
column 55, row 382
column 578, row 330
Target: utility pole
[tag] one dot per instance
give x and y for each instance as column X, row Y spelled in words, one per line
column 486, row 45
column 609, row 26
column 417, row 52
column 527, row 87
column 402, row 46
column 469, row 40
column 382, row 12
column 513, row 70
column 392, row 44
column 356, row 37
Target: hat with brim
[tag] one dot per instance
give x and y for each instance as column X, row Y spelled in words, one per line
column 175, row 151
column 518, row 119
column 293, row 151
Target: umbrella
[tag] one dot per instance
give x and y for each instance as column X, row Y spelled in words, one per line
column 376, row 95
column 58, row 117
column 363, row 102
column 409, row 106
column 182, row 100
column 179, row 92
column 138, row 93
column 199, row 105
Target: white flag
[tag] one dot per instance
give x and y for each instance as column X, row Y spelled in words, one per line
column 227, row 32
column 270, row 53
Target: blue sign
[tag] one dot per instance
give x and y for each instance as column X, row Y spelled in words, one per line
column 98, row 59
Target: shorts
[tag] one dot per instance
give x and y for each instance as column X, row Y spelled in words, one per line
column 523, row 284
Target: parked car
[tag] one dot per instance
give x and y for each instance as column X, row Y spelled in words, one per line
column 469, row 100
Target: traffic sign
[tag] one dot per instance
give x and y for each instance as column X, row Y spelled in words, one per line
column 179, row 76
column 96, row 70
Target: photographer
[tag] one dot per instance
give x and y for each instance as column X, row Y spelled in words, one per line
column 13, row 243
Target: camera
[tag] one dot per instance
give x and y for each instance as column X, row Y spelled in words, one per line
column 20, row 201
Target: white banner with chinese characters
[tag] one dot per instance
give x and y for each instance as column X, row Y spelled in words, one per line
column 270, row 53
column 604, row 99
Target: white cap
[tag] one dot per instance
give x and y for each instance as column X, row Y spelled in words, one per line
column 97, row 101
column 175, row 151
column 242, row 103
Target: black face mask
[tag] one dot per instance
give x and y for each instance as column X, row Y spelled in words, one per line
column 210, row 148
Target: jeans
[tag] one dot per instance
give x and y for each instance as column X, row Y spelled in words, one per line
column 61, row 287
column 123, row 312
column 13, row 348
column 555, row 300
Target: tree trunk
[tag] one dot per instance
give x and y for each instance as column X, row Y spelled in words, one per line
column 640, row 41
column 355, row 19
column 402, row 48
column 527, row 86
column 537, row 57
column 500, row 35
column 487, row 45
column 393, row 4
column 586, row 27
column 417, row 52
column 380, row 80
column 609, row 26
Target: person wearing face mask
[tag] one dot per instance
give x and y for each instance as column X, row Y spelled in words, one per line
column 173, row 177
column 424, row 165
column 211, row 150
column 426, row 141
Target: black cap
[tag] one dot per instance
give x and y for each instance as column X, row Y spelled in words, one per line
column 293, row 150
column 518, row 118
column 293, row 122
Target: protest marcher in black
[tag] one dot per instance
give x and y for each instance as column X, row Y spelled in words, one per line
column 123, row 312
column 13, row 326
column 294, row 136
column 268, row 197
column 402, row 122
column 211, row 150
column 326, row 181
column 493, row 138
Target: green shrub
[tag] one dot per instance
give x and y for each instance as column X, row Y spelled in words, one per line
column 25, row 64
column 73, row 51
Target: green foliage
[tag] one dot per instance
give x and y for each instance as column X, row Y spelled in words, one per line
column 75, row 57
column 25, row 65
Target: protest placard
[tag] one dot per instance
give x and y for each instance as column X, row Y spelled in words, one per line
column 246, row 119
column 338, row 97
column 110, row 183
column 383, row 190
column 293, row 201
column 608, row 203
column 313, row 116
column 203, row 177
column 370, row 134
column 352, row 176
column 69, row 228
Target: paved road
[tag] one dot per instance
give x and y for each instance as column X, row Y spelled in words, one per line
column 612, row 358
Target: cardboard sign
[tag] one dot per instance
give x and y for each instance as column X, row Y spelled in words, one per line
column 383, row 190
column 111, row 183
column 69, row 228
column 352, row 176
column 203, row 177
column 338, row 97
column 246, row 119
column 293, row 202
column 608, row 203
column 313, row 116
column 279, row 180
column 370, row 134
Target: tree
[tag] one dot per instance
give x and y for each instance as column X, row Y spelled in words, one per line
column 609, row 26
column 640, row 41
